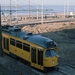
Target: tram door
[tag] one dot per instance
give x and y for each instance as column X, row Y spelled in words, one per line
column 6, row 45
column 37, row 58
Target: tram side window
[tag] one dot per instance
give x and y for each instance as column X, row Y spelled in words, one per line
column 26, row 47
column 19, row 44
column 12, row 41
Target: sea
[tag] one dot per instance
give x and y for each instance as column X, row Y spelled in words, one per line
column 34, row 9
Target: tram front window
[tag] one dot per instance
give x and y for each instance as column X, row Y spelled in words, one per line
column 50, row 53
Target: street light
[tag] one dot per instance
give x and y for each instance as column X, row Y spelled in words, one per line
column 42, row 14
column 37, row 11
column 64, row 9
column 10, row 13
column 1, row 51
column 29, row 10
column 67, row 7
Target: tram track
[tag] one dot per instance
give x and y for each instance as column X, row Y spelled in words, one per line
column 71, row 66
column 54, row 72
column 66, row 69
column 23, row 68
column 63, row 72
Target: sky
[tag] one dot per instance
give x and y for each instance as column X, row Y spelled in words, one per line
column 39, row 2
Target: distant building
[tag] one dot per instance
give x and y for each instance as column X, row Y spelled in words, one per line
column 72, row 14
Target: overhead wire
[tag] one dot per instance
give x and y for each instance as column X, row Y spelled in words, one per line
column 22, row 4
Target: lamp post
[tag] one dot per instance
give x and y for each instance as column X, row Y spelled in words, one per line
column 68, row 7
column 42, row 14
column 37, row 10
column 29, row 10
column 16, row 7
column 64, row 9
column 1, row 51
column 10, row 13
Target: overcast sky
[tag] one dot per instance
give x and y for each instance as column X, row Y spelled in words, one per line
column 34, row 2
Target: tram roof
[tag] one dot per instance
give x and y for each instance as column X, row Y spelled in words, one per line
column 34, row 38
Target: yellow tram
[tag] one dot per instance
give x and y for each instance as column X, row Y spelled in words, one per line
column 41, row 52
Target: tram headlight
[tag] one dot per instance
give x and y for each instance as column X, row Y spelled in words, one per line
column 52, row 62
